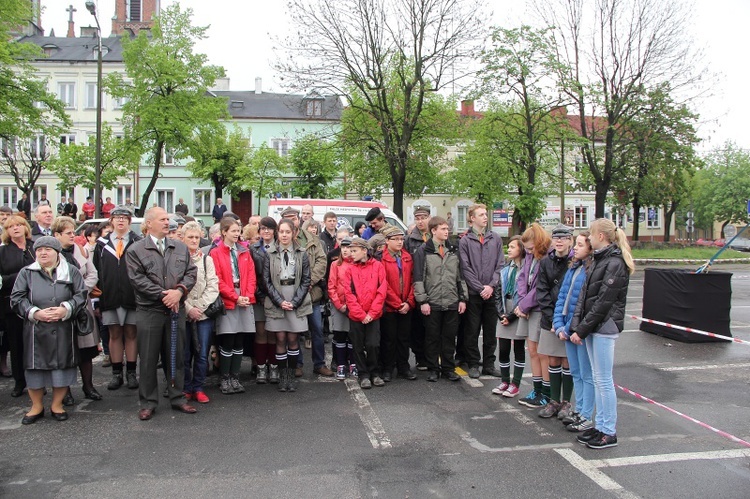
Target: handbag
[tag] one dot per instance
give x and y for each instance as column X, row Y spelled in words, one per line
column 217, row 307
column 82, row 323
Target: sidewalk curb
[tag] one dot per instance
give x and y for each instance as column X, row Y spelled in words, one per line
column 690, row 261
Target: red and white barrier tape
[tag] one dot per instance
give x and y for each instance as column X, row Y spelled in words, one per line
column 690, row 330
column 689, row 418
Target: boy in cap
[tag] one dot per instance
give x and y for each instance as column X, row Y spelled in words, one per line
column 416, row 238
column 376, row 221
column 399, row 303
column 441, row 292
column 364, row 287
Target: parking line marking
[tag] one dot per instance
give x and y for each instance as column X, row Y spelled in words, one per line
column 373, row 427
column 703, row 367
column 670, row 458
column 588, row 469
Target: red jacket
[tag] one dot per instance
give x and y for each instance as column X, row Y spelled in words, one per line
column 335, row 276
column 223, row 264
column 370, row 287
column 398, row 294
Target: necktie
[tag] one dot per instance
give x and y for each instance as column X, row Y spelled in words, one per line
column 481, row 238
column 441, row 250
column 398, row 263
column 424, row 237
column 160, row 246
column 235, row 265
column 47, row 232
column 510, row 286
column 286, row 257
column 120, row 247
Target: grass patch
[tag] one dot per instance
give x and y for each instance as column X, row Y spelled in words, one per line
column 692, row 253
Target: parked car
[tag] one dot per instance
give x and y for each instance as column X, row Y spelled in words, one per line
column 718, row 243
column 135, row 224
column 740, row 244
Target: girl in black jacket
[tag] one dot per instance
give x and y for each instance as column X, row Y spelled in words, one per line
column 599, row 318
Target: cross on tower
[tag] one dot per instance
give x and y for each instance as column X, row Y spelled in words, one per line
column 71, row 9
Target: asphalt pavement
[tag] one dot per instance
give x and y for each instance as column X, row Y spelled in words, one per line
column 409, row 439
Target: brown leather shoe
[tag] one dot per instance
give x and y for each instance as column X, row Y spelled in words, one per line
column 298, row 373
column 323, row 371
column 145, row 414
column 186, row 408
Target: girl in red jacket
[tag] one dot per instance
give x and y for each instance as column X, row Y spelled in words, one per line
column 237, row 282
column 364, row 288
column 399, row 302
column 339, row 317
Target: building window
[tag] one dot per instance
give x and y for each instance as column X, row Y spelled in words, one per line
column 314, row 108
column 168, row 156
column 9, row 195
column 8, row 147
column 462, row 216
column 66, row 92
column 581, row 217
column 653, row 218
column 202, row 204
column 165, row 199
column 67, row 139
column 123, row 192
column 134, row 10
column 91, row 94
column 36, row 195
column 119, row 102
column 38, row 147
column 281, row 146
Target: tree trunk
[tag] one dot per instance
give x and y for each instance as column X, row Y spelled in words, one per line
column 668, row 214
column 218, row 186
column 399, row 178
column 518, row 224
column 636, row 218
column 154, row 177
column 600, row 197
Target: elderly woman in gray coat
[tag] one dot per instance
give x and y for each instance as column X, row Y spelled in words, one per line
column 48, row 294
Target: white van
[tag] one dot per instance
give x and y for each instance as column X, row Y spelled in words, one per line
column 348, row 211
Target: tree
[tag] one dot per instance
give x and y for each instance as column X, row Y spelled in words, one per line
column 659, row 150
column 74, row 164
column 27, row 108
column 365, row 164
column 613, row 52
column 25, row 159
column 262, row 173
column 217, row 155
column 725, row 184
column 315, row 163
column 167, row 98
column 385, row 57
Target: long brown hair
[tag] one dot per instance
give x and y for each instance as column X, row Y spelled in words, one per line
column 520, row 244
column 574, row 260
column 541, row 239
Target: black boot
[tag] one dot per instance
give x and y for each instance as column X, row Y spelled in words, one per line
column 292, row 381
column 283, row 379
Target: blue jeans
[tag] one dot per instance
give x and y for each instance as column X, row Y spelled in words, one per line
column 601, row 350
column 583, row 379
column 315, row 324
column 197, row 365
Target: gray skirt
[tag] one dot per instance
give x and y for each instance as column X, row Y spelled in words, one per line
column 290, row 323
column 259, row 311
column 549, row 344
column 239, row 320
column 508, row 332
column 37, row 379
column 529, row 328
column 339, row 320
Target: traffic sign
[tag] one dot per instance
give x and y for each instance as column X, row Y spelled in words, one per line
column 730, row 231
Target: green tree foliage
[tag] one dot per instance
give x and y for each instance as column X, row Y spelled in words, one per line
column 316, row 163
column 366, row 165
column 262, row 173
column 74, row 164
column 27, row 108
column 217, row 155
column 166, row 89
column 724, row 186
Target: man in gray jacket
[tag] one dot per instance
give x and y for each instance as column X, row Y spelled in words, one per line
column 162, row 274
column 481, row 262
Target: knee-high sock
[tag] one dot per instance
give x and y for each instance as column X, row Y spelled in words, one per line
column 567, row 384
column 555, row 382
column 292, row 358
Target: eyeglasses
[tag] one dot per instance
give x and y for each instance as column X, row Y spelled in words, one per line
column 266, row 229
column 121, row 218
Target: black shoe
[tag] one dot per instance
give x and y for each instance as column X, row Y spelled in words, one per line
column 452, row 376
column 491, row 371
column 116, row 382
column 132, row 380
column 18, row 391
column 387, row 376
column 407, row 375
column 432, row 377
column 59, row 416
column 91, row 393
column 32, row 419
column 68, row 400
column 587, row 436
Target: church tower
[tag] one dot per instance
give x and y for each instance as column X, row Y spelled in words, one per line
column 131, row 16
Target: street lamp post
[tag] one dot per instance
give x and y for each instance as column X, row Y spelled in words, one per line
column 91, row 7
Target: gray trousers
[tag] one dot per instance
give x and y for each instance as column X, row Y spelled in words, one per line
column 154, row 337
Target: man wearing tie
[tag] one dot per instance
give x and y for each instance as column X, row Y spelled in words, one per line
column 162, row 274
column 117, row 301
column 43, row 224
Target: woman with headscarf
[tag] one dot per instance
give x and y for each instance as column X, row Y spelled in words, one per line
column 49, row 294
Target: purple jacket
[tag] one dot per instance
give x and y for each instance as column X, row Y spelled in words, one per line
column 527, row 290
column 481, row 264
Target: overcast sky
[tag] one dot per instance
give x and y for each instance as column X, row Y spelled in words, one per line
column 242, row 33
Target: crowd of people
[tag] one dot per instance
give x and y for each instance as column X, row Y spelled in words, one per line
column 164, row 299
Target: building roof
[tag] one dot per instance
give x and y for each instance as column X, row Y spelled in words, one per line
column 246, row 104
column 75, row 49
